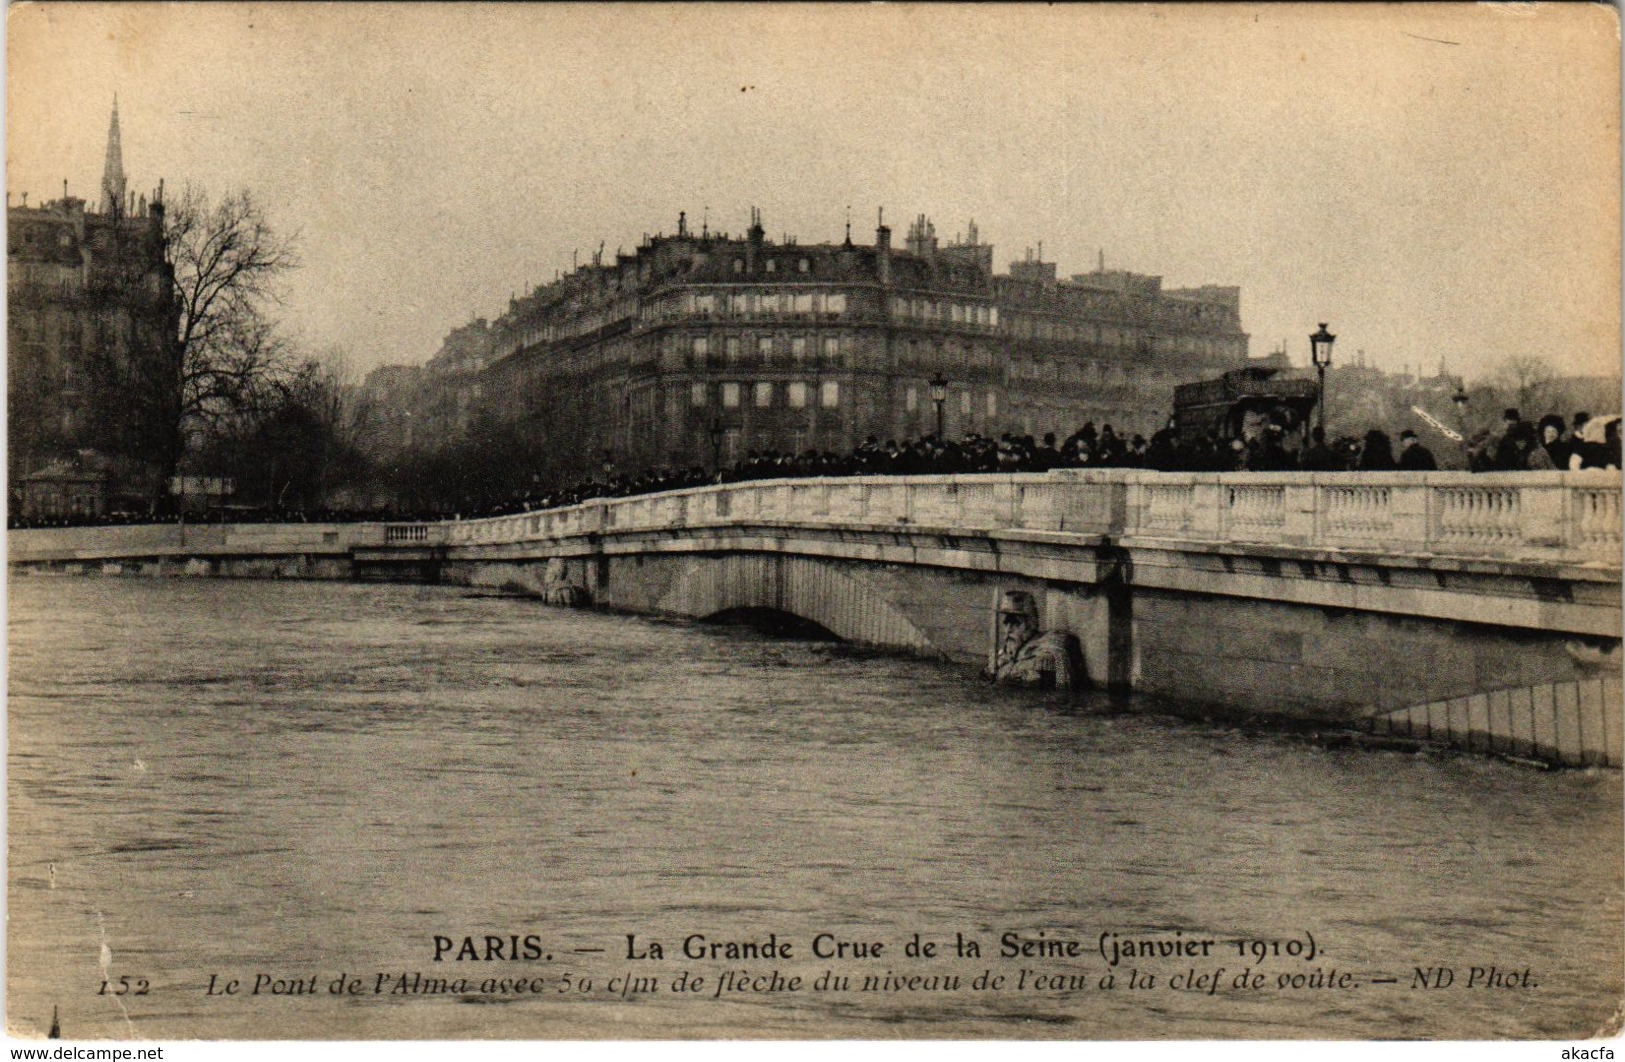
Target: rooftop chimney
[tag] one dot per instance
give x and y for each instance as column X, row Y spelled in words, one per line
column 883, row 247
column 753, row 240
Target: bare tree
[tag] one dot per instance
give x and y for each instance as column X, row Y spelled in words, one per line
column 296, row 444
column 227, row 263
column 1526, row 380
column 349, row 413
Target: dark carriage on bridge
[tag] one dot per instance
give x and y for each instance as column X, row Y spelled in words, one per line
column 1239, row 403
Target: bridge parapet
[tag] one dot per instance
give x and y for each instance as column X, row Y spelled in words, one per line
column 1566, row 517
column 1556, row 516
column 171, row 540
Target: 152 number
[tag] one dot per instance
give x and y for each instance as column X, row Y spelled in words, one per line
column 124, row 986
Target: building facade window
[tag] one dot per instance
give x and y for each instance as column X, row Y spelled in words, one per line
column 764, row 346
column 732, row 347
column 772, row 265
column 911, row 398
column 700, row 346
column 992, row 404
column 764, row 394
column 964, row 402
column 730, row 395
column 798, row 347
column 832, row 347
column 739, row 265
column 829, row 394
column 796, row 391
column 804, row 266
column 835, row 303
column 696, row 394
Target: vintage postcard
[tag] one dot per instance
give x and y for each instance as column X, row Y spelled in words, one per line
column 802, row 522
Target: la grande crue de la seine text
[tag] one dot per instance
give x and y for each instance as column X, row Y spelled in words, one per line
column 1112, row 947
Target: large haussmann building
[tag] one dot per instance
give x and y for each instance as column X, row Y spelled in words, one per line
column 701, row 348
column 91, row 369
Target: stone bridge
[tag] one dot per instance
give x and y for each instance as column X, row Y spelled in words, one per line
column 1483, row 610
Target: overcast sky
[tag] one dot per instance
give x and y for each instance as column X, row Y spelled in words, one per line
column 1437, row 182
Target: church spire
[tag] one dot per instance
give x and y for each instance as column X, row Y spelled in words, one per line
column 113, row 169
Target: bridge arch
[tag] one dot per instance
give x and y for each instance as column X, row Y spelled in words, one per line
column 774, row 622
column 1573, row 722
column 817, row 591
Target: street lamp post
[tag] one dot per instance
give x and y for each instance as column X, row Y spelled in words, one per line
column 716, row 447
column 1460, row 400
column 939, row 395
column 1320, row 352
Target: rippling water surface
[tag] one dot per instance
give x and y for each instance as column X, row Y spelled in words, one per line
column 232, row 778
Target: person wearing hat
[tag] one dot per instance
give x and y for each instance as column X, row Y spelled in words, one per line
column 1509, row 452
column 1377, row 453
column 1552, row 434
column 1413, row 456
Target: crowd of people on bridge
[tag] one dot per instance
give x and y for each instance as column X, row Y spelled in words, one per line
column 1550, row 443
column 925, row 456
column 1270, row 449
column 1515, row 445
column 237, row 514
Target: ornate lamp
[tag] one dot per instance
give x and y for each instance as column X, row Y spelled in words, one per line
column 716, row 445
column 1320, row 352
column 939, row 395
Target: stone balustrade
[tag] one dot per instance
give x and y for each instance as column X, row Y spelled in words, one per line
column 1539, row 516
column 1554, row 516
